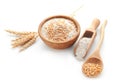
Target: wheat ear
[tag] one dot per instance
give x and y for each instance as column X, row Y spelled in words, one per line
column 29, row 43
column 18, row 38
column 18, row 33
column 24, row 40
column 20, row 41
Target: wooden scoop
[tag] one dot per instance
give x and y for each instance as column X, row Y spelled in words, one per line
column 89, row 33
column 93, row 66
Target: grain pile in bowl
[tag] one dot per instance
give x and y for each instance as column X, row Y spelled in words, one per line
column 58, row 29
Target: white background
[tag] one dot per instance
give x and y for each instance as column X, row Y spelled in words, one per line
column 41, row 64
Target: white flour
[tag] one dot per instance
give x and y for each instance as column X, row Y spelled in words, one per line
column 82, row 48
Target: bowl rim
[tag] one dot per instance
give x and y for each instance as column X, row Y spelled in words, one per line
column 59, row 16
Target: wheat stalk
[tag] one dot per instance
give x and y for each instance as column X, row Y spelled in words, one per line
column 29, row 43
column 18, row 33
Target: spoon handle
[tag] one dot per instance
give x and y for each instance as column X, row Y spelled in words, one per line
column 95, row 24
column 102, row 35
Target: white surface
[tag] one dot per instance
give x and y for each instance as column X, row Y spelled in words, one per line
column 41, row 64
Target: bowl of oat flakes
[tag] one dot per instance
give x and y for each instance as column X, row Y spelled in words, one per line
column 59, row 31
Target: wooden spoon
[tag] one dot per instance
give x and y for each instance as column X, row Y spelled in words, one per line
column 93, row 66
column 89, row 33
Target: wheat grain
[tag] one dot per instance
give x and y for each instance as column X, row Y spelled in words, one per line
column 28, row 44
column 59, row 29
column 20, row 41
column 91, row 69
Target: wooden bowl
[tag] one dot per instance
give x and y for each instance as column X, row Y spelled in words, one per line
column 59, row 44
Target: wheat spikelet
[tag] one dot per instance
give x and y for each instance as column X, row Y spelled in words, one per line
column 17, row 39
column 20, row 41
column 18, row 33
column 28, row 44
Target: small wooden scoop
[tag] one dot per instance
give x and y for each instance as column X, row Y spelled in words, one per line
column 93, row 66
column 82, row 47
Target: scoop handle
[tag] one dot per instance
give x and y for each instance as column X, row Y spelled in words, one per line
column 95, row 24
column 102, row 35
